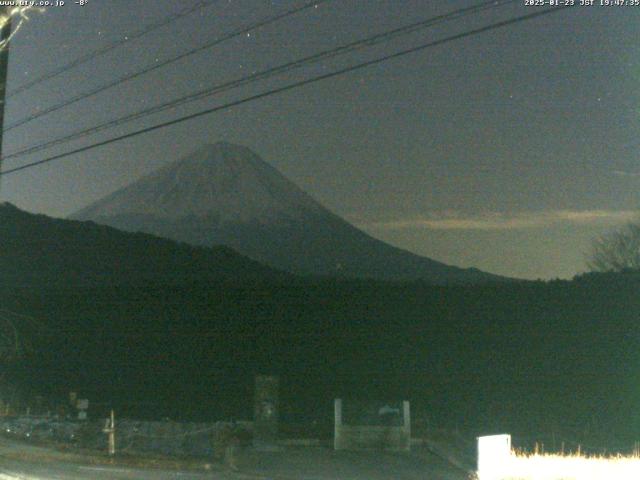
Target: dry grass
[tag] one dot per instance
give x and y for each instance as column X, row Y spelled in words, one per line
column 576, row 466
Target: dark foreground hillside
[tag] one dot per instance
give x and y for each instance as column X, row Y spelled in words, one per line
column 38, row 251
column 524, row 358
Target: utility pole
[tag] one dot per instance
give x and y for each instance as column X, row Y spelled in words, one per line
column 4, row 67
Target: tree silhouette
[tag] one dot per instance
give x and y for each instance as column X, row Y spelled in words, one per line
column 17, row 335
column 18, row 338
column 617, row 251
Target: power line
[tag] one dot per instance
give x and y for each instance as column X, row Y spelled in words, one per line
column 156, row 66
column 292, row 86
column 324, row 55
column 112, row 46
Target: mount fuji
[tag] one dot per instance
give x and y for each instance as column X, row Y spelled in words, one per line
column 225, row 194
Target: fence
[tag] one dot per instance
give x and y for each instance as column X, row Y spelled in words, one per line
column 388, row 428
column 161, row 437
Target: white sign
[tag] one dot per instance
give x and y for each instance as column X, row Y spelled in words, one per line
column 494, row 454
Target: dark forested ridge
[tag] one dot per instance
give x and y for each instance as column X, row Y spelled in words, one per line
column 525, row 357
column 166, row 337
column 36, row 250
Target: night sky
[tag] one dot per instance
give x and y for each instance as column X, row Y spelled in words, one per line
column 507, row 151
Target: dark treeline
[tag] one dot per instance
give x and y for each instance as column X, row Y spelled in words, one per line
column 155, row 328
column 525, row 357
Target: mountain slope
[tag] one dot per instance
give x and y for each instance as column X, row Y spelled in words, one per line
column 225, row 194
column 36, row 250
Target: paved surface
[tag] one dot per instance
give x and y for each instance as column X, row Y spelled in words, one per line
column 326, row 464
column 20, row 461
column 25, row 462
column 50, row 470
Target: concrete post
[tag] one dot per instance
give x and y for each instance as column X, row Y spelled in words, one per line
column 406, row 415
column 112, row 435
column 265, row 426
column 337, row 424
column 110, row 430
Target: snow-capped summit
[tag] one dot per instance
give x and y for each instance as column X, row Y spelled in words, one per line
column 223, row 180
column 226, row 194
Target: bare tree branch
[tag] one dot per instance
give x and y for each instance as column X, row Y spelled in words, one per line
column 17, row 332
column 617, row 251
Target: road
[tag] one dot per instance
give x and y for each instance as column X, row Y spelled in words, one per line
column 19, row 461
column 54, row 470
